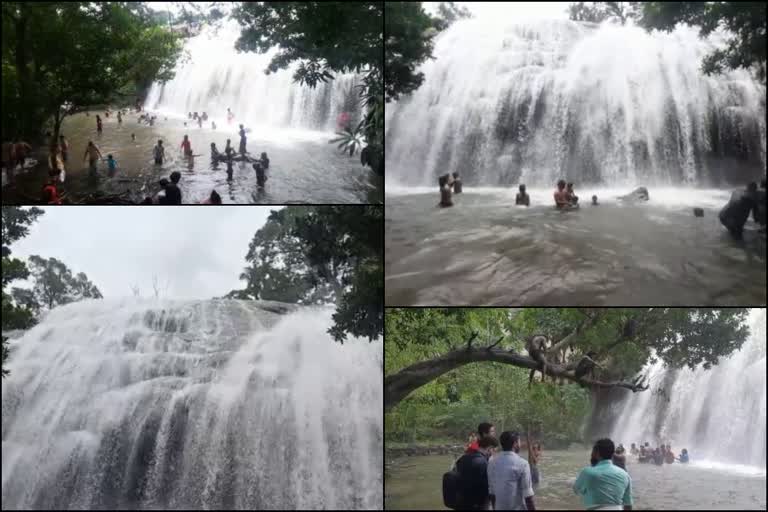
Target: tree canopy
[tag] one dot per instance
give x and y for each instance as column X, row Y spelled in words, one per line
column 15, row 226
column 324, row 38
column 322, row 255
column 60, row 57
column 423, row 345
column 54, row 285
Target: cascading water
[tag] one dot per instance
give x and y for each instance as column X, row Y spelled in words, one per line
column 203, row 404
column 533, row 102
column 717, row 414
column 216, row 77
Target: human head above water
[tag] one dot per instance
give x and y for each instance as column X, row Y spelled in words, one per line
column 521, row 188
column 175, row 176
column 569, row 186
column 561, row 184
column 594, row 199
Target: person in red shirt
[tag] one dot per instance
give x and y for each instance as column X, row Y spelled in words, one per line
column 483, row 430
column 50, row 194
column 561, row 199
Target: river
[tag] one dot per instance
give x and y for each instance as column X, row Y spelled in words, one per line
column 415, row 483
column 304, row 168
column 486, row 251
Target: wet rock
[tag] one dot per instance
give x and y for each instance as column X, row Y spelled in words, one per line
column 639, row 194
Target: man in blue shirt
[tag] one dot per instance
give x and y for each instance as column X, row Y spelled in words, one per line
column 604, row 486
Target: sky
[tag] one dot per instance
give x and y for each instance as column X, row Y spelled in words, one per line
column 197, row 252
column 516, row 10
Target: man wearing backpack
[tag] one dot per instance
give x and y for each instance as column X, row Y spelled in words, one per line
column 473, row 476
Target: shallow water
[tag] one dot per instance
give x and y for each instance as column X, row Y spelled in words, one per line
column 304, row 168
column 486, row 251
column 416, row 483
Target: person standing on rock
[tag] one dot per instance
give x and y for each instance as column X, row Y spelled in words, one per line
column 243, row 140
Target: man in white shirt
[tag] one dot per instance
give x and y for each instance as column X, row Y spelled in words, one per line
column 509, row 477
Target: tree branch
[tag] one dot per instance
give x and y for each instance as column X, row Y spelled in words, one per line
column 399, row 385
column 470, row 340
column 585, row 324
column 489, row 347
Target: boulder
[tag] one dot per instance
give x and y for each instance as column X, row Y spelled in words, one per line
column 639, row 194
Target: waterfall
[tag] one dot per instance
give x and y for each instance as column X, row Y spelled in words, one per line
column 227, row 404
column 532, row 102
column 215, row 77
column 717, row 414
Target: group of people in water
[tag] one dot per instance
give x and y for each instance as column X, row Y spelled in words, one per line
column 492, row 475
column 733, row 215
column 659, row 455
column 15, row 154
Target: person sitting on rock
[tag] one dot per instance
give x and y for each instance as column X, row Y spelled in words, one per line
column 522, row 197
column 735, row 214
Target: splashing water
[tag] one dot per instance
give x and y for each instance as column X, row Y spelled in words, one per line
column 216, row 78
column 202, row 404
column 536, row 101
column 717, row 414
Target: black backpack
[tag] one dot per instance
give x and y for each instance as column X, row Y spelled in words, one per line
column 452, row 487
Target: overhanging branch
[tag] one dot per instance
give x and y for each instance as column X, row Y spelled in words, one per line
column 399, row 385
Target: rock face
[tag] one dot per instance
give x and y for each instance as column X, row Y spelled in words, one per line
column 698, row 212
column 639, row 194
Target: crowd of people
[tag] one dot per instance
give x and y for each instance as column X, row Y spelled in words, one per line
column 659, row 455
column 16, row 152
column 733, row 215
column 492, row 475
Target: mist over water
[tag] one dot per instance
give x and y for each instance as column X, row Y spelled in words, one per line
column 194, row 404
column 530, row 102
column 216, row 77
column 717, row 414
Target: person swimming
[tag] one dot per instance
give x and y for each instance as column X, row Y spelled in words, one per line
column 522, row 197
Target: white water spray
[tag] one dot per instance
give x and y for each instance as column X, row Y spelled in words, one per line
column 204, row 404
column 717, row 414
column 531, row 102
column 216, row 78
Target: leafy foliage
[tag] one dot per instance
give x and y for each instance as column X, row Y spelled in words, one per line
column 448, row 13
column 15, row 226
column 745, row 23
column 325, row 38
column 64, row 56
column 597, row 12
column 455, row 402
column 409, row 31
column 320, row 255
column 55, row 285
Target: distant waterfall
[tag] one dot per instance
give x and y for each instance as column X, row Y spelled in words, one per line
column 191, row 405
column 536, row 101
column 216, row 77
column 717, row 414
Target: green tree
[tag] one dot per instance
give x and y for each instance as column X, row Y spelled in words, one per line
column 325, row 38
column 597, row 12
column 448, row 13
column 64, row 56
column 279, row 268
column 443, row 341
column 55, row 285
column 347, row 240
column 15, row 226
column 322, row 254
column 744, row 22
column 409, row 31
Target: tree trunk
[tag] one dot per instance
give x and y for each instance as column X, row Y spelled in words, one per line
column 402, row 383
column 22, row 67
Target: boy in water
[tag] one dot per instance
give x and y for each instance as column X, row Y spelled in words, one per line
column 522, row 198
column 111, row 164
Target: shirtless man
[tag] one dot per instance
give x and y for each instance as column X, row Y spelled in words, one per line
column 561, row 200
